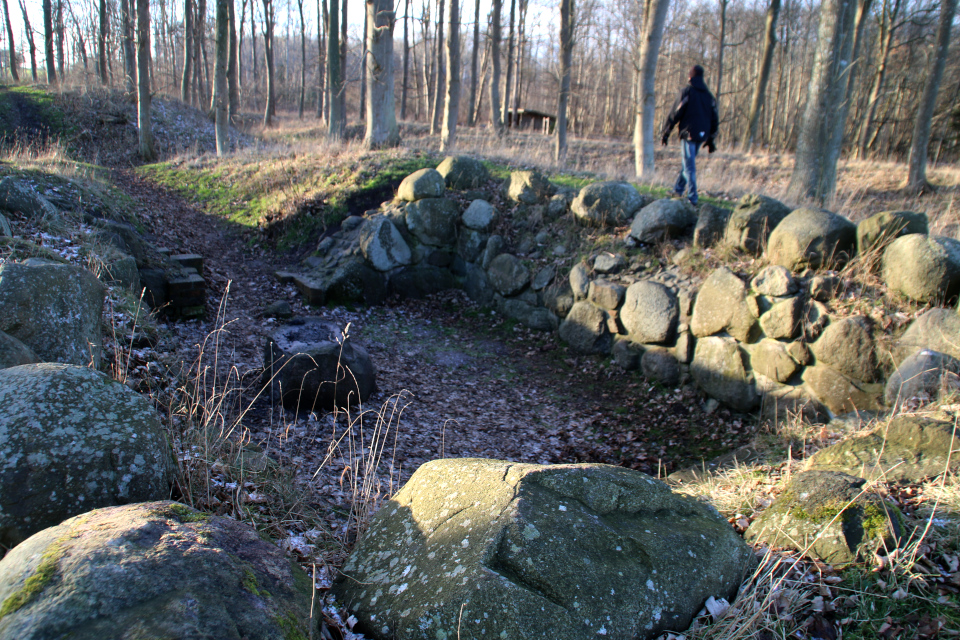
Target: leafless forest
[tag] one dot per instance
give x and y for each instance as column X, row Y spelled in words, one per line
column 851, row 77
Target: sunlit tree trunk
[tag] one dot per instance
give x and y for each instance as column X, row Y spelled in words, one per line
column 221, row 93
column 146, row 146
column 381, row 115
column 654, row 18
column 303, row 60
column 766, row 61
column 268, row 29
column 917, row 163
column 566, row 61
column 471, row 117
column 451, row 110
column 437, row 114
column 496, row 118
column 322, row 21
column 48, row 42
column 884, row 39
column 507, row 117
column 336, row 122
column 233, row 63
column 187, row 50
column 406, row 60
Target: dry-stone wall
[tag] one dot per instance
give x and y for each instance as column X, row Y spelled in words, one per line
column 765, row 341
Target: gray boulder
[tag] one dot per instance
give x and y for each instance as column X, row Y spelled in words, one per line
column 847, row 346
column 470, row 244
column 718, row 368
column 782, row 320
column 585, row 329
column 14, row 353
column 5, row 230
column 310, row 365
column 770, row 358
column 830, row 516
column 922, row 268
column 924, row 374
column 824, row 288
column 19, row 197
column 74, row 440
column 658, row 363
column 711, row 225
column 508, row 274
column 935, row 329
column 607, row 263
column 480, row 216
column 421, row 280
column 382, row 245
column 780, row 401
column 425, row 183
column 840, row 394
column 650, row 312
column 626, row 354
column 433, row 221
column 752, row 220
column 906, row 449
column 665, row 218
column 353, row 280
column 544, row 277
column 812, row 238
column 152, row 570
column 722, row 305
column 605, row 294
column 527, row 187
column 118, row 268
column 880, row 229
column 477, row 285
column 463, row 172
column 495, row 246
column 278, row 309
column 558, row 298
column 579, row 281
column 562, row 552
column 774, row 280
column 605, row 204
column 55, row 309
column 529, row 315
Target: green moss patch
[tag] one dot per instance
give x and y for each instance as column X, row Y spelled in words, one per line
column 184, row 514
column 36, row 583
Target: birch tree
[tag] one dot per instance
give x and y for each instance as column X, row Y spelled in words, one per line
column 654, row 18
column 382, row 129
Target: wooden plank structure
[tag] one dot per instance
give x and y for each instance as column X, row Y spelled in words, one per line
column 532, row 120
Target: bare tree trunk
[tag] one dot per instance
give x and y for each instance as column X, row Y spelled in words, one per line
column 566, row 61
column 496, row 118
column 766, row 61
column 451, row 111
column 303, row 60
column 129, row 57
column 323, row 18
column 721, row 46
column 335, row 124
column 472, row 116
column 30, row 42
column 268, row 29
column 381, row 114
column 518, row 57
column 507, row 116
column 233, row 63
column 342, row 96
column 815, row 168
column 406, row 60
column 188, row 45
column 11, row 46
column 221, row 93
column 146, row 147
column 363, row 66
column 101, row 42
column 884, row 41
column 484, row 68
column 654, row 18
column 840, row 120
column 440, row 78
column 48, row 42
column 59, row 32
column 917, row 162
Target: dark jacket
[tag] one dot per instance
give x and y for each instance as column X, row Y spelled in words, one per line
column 695, row 113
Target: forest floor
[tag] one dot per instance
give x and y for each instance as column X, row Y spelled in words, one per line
column 454, row 379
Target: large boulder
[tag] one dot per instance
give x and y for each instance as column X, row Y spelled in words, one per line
column 14, row 353
column 650, row 312
column 839, row 393
column 471, row 243
column 463, row 172
column 382, row 245
column 935, row 329
column 812, row 238
column 922, row 268
column 55, row 309
column 488, row 549
column 906, row 449
column 529, row 315
column 752, row 220
column 658, row 363
column 847, row 346
column 880, row 229
column 19, row 197
column 152, row 570
column 607, row 203
column 5, row 230
column 605, row 294
column 664, row 218
column 925, row 374
column 774, row 280
column 711, row 225
column 527, row 187
column 829, row 516
column 771, row 359
column 718, row 368
column 722, row 305
column 586, row 330
column 73, row 440
column 309, row 364
column 420, row 281
column 425, row 183
column 354, row 280
column 782, row 320
column 480, row 216
column 508, row 274
column 433, row 221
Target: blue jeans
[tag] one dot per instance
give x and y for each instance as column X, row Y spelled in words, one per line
column 688, row 173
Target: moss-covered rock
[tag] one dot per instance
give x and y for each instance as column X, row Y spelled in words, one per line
column 828, row 515
column 839, row 393
column 607, row 203
column 463, row 172
column 425, row 183
column 527, row 187
column 752, row 221
column 152, row 570
column 488, row 549
column 812, row 238
column 906, row 449
column 881, row 228
column 73, row 440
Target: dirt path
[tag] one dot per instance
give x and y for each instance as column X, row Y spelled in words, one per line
column 470, row 384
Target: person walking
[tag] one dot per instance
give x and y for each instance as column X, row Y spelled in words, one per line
column 695, row 116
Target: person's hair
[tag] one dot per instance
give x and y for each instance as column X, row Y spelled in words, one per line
column 696, row 70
